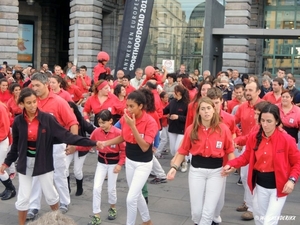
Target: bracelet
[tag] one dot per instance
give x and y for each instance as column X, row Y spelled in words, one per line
column 174, row 167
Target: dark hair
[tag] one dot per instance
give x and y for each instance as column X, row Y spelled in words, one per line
column 138, row 97
column 278, row 80
column 109, row 77
column 274, row 110
column 76, row 112
column 155, row 67
column 150, row 104
column 104, row 115
column 118, row 89
column 19, row 72
column 62, row 82
column 12, row 87
column 3, row 80
column 245, row 76
column 259, row 106
column 291, row 93
column 226, row 73
column 162, row 94
column 126, row 77
column 238, row 86
column 184, row 93
column 292, row 78
column 198, row 95
column 231, row 70
column 210, row 79
column 172, row 75
column 150, row 85
column 179, row 76
column 26, row 92
column 83, row 67
column 282, row 69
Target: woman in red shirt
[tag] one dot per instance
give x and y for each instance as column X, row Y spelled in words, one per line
column 118, row 109
column 274, row 166
column 208, row 140
column 138, row 131
column 4, row 92
column 19, row 77
column 289, row 114
column 57, row 85
column 102, row 99
column 12, row 103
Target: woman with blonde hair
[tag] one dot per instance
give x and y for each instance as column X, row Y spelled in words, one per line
column 207, row 140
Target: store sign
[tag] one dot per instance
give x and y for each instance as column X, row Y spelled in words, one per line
column 134, row 34
column 25, row 44
column 169, row 65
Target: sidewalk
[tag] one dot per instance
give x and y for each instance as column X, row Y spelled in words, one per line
column 168, row 203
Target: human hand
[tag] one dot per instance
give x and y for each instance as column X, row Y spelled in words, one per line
column 100, row 144
column 227, row 170
column 288, row 187
column 171, row 174
column 130, row 121
column 3, row 168
column 174, row 117
column 117, row 168
column 70, row 149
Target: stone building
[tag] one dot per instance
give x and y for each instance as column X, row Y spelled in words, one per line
column 257, row 35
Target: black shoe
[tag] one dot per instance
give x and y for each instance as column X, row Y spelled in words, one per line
column 10, row 190
column 239, row 182
column 9, row 194
column 79, row 190
column 3, row 193
column 214, row 223
column 158, row 181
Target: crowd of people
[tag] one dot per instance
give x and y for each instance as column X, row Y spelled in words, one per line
column 212, row 125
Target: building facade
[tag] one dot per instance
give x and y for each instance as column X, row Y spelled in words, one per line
column 257, row 35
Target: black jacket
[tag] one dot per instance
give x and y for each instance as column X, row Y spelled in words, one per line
column 84, row 127
column 49, row 130
column 179, row 108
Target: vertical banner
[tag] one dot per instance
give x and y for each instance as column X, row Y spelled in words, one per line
column 25, row 44
column 134, row 34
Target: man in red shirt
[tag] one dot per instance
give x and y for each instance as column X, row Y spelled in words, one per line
column 126, row 83
column 83, row 81
column 239, row 98
column 245, row 116
column 275, row 96
column 119, row 80
column 59, row 72
column 59, row 108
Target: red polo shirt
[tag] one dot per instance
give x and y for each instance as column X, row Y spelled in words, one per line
column 158, row 104
column 264, row 155
column 231, row 104
column 93, row 103
column 129, row 89
column 100, row 135
column 33, row 127
column 4, row 122
column 59, row 108
column 190, row 114
column 65, row 95
column 245, row 116
column 270, row 97
column 98, row 69
column 119, row 106
column 88, row 82
column 5, row 96
column 211, row 144
column 146, row 126
column 292, row 118
column 13, row 107
column 164, row 119
column 228, row 119
column 75, row 92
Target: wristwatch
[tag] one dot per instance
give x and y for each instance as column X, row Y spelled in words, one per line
column 293, row 179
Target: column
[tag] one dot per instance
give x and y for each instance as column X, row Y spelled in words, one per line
column 236, row 50
column 87, row 17
column 9, row 10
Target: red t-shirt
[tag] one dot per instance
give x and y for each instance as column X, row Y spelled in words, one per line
column 65, row 95
column 270, row 97
column 5, row 96
column 88, row 82
column 146, row 126
column 13, row 107
column 245, row 116
column 129, row 89
column 210, row 144
column 4, row 122
column 59, row 108
column 98, row 69
column 231, row 104
column 75, row 92
column 93, row 104
column 190, row 114
column 100, row 135
column 292, row 118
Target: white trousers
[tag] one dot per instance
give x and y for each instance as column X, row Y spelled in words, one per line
column 157, row 169
column 205, row 187
column 25, row 187
column 248, row 197
column 78, row 164
column 164, row 139
column 137, row 174
column 175, row 140
column 60, row 179
column 267, row 206
column 101, row 171
column 220, row 205
column 4, row 147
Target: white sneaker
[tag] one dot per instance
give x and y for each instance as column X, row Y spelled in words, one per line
column 184, row 167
